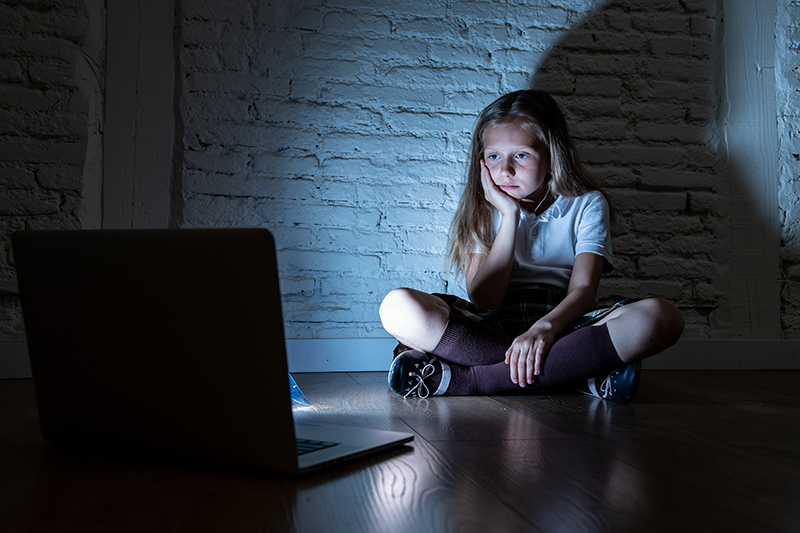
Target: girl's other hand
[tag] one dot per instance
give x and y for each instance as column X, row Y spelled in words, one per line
column 526, row 355
column 495, row 196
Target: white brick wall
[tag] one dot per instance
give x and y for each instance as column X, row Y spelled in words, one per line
column 346, row 134
column 51, row 56
column 343, row 127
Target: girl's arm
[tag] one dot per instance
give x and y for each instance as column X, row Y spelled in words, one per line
column 527, row 352
column 487, row 276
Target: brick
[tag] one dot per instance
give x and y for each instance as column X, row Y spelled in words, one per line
column 617, row 289
column 420, row 269
column 11, row 70
column 364, row 241
column 325, row 46
column 457, row 53
column 648, row 201
column 215, row 162
column 601, row 129
column 632, row 155
column 702, row 25
column 249, row 186
column 603, row 64
column 349, row 23
column 376, row 145
column 18, row 97
column 670, row 132
column 670, row 267
column 424, row 27
column 683, row 69
column 555, row 17
column 405, row 97
column 60, row 177
column 231, row 13
column 617, row 20
column 310, row 18
column 31, row 151
column 29, row 202
column 431, row 123
column 16, row 178
column 512, row 81
column 418, row 218
column 687, row 47
column 269, row 137
column 672, row 23
column 52, row 74
column 213, row 108
column 598, row 86
column 236, row 84
column 429, row 76
column 700, row 202
column 411, row 193
column 678, row 179
column 316, row 261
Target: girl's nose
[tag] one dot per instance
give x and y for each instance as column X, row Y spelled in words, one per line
column 507, row 169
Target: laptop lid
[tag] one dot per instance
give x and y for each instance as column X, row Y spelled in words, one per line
column 164, row 340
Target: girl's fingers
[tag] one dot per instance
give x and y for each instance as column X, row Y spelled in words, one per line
column 522, row 363
column 539, row 358
column 511, row 362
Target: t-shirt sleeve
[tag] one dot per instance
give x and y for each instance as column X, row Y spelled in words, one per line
column 594, row 229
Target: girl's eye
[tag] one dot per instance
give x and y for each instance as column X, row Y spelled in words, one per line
column 493, row 157
column 523, row 156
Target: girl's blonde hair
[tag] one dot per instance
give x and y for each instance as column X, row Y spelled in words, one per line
column 537, row 113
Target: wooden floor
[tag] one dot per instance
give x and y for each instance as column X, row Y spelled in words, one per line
column 696, row 451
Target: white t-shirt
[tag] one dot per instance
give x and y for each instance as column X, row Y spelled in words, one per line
column 547, row 245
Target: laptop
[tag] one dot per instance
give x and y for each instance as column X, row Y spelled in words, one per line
column 169, row 341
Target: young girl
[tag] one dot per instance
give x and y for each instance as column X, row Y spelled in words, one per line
column 532, row 236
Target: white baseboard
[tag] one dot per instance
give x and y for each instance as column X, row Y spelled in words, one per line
column 367, row 355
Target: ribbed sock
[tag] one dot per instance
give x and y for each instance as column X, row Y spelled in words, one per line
column 470, row 343
column 580, row 355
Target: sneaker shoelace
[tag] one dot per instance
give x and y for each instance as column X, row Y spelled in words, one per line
column 605, row 389
column 420, row 387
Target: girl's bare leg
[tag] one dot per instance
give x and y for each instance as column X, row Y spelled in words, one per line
column 416, row 319
column 644, row 328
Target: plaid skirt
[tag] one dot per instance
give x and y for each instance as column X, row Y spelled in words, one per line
column 522, row 307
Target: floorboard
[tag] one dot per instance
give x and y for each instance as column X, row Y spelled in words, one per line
column 696, row 451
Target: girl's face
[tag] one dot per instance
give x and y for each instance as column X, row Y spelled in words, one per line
column 517, row 166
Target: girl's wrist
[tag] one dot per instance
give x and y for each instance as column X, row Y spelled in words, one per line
column 511, row 214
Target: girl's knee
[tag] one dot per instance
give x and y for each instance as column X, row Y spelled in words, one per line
column 665, row 317
column 392, row 306
column 402, row 306
column 415, row 318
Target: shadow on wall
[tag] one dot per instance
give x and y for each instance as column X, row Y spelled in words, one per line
column 641, row 86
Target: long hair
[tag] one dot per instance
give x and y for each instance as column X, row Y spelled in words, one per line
column 537, row 113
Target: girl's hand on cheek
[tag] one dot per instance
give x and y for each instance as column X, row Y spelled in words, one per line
column 526, row 355
column 499, row 199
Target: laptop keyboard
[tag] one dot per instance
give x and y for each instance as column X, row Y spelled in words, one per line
column 305, row 445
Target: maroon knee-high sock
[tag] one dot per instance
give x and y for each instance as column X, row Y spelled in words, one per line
column 470, row 343
column 580, row 355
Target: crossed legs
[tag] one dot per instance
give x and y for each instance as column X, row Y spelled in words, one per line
column 637, row 330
